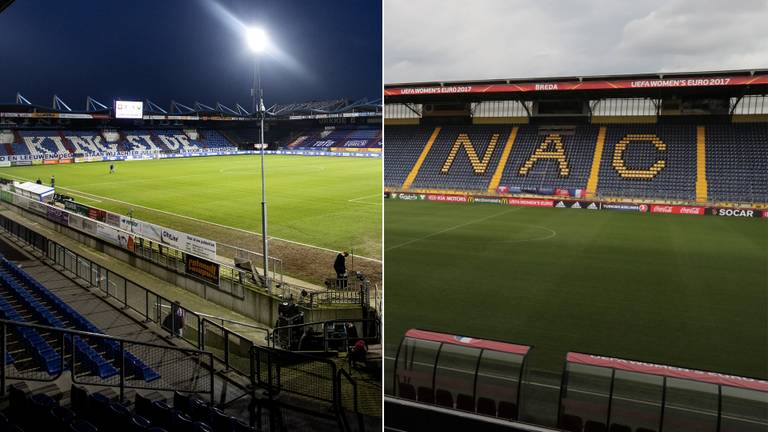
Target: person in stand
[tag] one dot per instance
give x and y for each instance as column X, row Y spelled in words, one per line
column 340, row 266
column 358, row 353
column 112, row 168
column 53, row 181
column 178, row 318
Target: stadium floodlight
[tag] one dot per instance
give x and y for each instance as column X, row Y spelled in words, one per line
column 257, row 39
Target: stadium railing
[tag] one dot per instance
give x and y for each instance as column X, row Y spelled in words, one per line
column 307, row 376
column 230, row 348
column 197, row 330
column 273, row 369
column 405, row 415
column 181, row 369
column 331, row 336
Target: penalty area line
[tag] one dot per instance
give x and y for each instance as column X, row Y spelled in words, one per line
column 358, row 200
column 455, row 227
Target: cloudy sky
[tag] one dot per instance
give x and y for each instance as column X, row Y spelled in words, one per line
column 434, row 40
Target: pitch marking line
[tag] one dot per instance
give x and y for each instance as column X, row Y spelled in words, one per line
column 357, row 200
column 205, row 221
column 461, row 225
column 85, row 197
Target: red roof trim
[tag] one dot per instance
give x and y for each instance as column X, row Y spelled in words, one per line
column 668, row 371
column 640, row 83
column 468, row 341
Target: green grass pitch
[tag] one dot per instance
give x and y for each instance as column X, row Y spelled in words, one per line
column 682, row 290
column 331, row 202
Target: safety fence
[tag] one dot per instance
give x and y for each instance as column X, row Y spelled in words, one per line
column 32, row 352
column 326, row 336
column 315, row 378
column 276, row 370
column 198, row 330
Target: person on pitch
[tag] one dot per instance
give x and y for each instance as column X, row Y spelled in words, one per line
column 111, row 168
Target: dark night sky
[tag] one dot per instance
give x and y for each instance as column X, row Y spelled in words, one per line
column 183, row 50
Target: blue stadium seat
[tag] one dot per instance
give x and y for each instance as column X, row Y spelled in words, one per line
column 14, row 277
column 639, row 161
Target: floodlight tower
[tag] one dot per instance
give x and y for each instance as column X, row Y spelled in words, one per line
column 257, row 41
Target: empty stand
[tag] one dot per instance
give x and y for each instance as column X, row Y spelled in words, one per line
column 403, row 147
column 35, row 303
column 70, row 143
column 102, row 410
column 542, row 160
column 462, row 157
column 649, row 161
column 737, row 162
column 662, row 162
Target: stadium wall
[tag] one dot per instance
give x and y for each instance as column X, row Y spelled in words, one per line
column 260, row 306
column 577, row 203
column 27, row 160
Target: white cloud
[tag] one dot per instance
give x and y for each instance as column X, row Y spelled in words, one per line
column 432, row 40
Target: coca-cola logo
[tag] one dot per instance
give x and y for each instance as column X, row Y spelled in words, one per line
column 662, row 209
column 691, row 210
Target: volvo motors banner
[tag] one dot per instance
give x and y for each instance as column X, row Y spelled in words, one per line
column 202, row 269
column 733, row 212
column 447, row 198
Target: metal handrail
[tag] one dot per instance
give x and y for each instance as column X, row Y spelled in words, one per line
column 5, row 324
column 273, row 335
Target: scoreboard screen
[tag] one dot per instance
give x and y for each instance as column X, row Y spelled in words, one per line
column 129, row 109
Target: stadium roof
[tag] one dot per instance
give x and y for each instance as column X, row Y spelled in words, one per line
column 177, row 110
column 337, row 106
column 719, row 82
